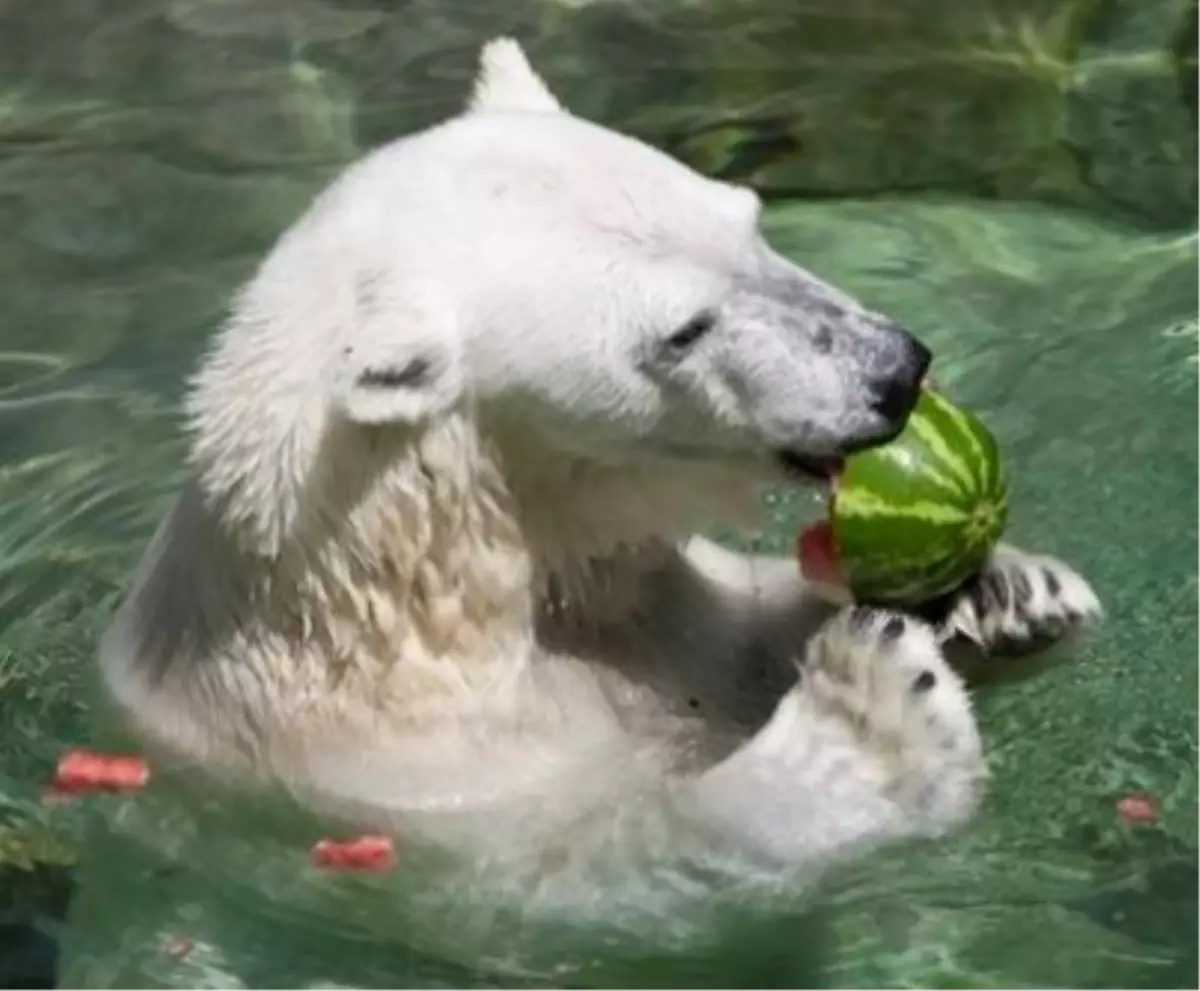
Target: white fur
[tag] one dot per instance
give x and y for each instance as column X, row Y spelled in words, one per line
column 506, row 81
column 434, row 568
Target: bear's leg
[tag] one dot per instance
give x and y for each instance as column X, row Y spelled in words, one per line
column 876, row 742
column 1021, row 604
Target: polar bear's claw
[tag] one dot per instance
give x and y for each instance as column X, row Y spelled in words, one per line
column 1021, row 604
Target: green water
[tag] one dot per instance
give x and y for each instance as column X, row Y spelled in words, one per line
column 1014, row 179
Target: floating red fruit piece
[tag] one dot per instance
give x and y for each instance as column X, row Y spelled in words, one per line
column 364, row 853
column 1137, row 809
column 818, row 555
column 81, row 770
column 175, row 946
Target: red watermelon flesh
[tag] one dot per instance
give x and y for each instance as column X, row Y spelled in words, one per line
column 818, row 554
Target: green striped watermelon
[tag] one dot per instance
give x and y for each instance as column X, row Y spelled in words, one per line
column 913, row 519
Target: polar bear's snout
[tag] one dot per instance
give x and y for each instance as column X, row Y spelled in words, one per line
column 821, row 376
column 894, row 381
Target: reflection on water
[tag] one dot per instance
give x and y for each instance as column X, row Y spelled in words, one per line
column 1015, row 179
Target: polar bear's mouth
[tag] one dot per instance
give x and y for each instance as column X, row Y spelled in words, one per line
column 809, row 469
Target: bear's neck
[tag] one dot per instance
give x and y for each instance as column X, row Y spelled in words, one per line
column 414, row 540
column 459, row 540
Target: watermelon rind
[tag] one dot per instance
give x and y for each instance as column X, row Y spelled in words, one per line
column 916, row 518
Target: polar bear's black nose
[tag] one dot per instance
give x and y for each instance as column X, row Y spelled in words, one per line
column 896, row 393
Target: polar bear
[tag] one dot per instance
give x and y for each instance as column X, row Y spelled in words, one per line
column 436, row 566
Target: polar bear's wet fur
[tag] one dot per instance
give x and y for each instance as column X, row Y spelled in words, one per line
column 435, row 566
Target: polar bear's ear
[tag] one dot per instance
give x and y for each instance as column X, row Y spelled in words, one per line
column 399, row 370
column 507, row 82
column 401, row 385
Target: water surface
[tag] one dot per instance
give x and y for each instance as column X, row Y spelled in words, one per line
column 1014, row 179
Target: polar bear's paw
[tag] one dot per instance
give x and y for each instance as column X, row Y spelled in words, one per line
column 882, row 677
column 1022, row 604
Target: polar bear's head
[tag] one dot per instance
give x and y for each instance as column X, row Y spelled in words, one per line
column 596, row 310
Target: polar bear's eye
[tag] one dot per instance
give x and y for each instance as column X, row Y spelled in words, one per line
column 692, row 331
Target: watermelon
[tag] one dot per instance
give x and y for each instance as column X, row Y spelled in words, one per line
column 915, row 518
